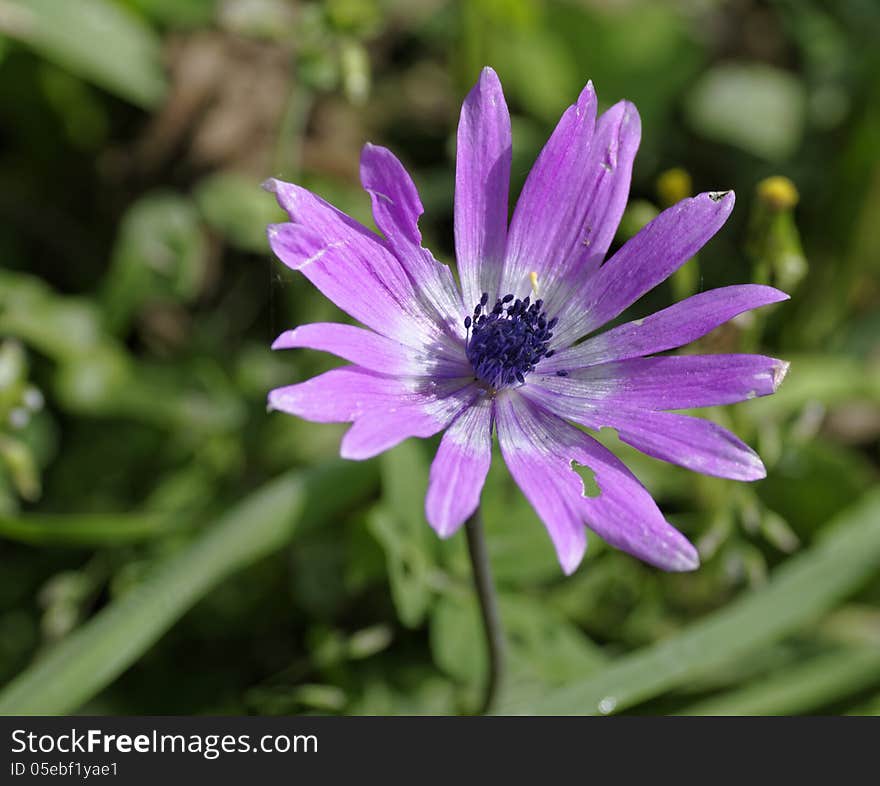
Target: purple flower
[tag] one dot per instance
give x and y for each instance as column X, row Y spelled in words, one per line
column 502, row 350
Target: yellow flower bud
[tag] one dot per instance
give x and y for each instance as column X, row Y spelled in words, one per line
column 673, row 185
column 778, row 192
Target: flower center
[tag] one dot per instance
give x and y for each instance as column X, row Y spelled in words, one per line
column 506, row 342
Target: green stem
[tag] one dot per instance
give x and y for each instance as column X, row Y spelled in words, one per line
column 287, row 156
column 488, row 609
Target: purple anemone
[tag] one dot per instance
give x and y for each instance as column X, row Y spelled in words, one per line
column 506, row 350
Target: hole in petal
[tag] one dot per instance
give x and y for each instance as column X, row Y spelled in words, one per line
column 588, row 479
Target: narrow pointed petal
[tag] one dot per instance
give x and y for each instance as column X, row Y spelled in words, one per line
column 459, row 469
column 376, row 430
column 482, row 184
column 547, row 228
column 396, row 203
column 363, row 279
column 340, row 395
column 671, row 382
column 698, row 445
column 625, row 515
column 396, row 210
column 643, row 262
column 540, row 464
column 370, row 350
column 612, row 153
column 541, row 451
column 670, row 328
column 352, row 267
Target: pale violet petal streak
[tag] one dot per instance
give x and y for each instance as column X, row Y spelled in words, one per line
column 371, row 351
column 340, row 395
column 542, row 450
column 548, row 221
column 459, row 469
column 376, row 430
column 612, row 153
column 698, row 445
column 541, row 467
column 671, row 382
column 333, row 226
column 644, row 261
column 352, row 267
column 396, row 210
column 670, row 328
column 482, row 184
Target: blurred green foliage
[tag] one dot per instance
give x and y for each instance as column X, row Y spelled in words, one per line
column 169, row 547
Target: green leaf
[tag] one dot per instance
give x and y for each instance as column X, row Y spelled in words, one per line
column 813, row 481
column 800, row 590
column 62, row 327
column 107, row 384
column 96, row 39
column 519, row 548
column 457, row 641
column 174, row 13
column 92, row 529
column 89, row 659
column 800, row 688
column 543, row 650
column 408, row 567
column 160, row 253
column 753, row 106
column 552, row 649
column 405, row 483
column 870, row 708
column 18, row 459
column 402, row 531
column 236, row 207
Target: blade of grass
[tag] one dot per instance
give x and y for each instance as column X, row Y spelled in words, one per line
column 806, row 586
column 802, row 688
column 871, row 707
column 86, row 530
column 93, row 656
column 98, row 40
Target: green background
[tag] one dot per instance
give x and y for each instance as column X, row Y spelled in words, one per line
column 166, row 546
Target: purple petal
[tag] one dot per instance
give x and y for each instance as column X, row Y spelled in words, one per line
column 670, row 328
column 396, row 204
column 370, row 350
column 351, row 267
column 378, row 429
column 612, row 153
column 698, row 445
column 482, row 183
column 541, row 450
column 459, row 469
column 396, row 210
column 644, row 261
column 671, row 382
column 340, row 395
column 540, row 464
column 547, row 228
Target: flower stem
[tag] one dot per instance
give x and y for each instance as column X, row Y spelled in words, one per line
column 488, row 609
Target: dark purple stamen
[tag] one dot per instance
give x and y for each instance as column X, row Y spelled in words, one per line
column 507, row 341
